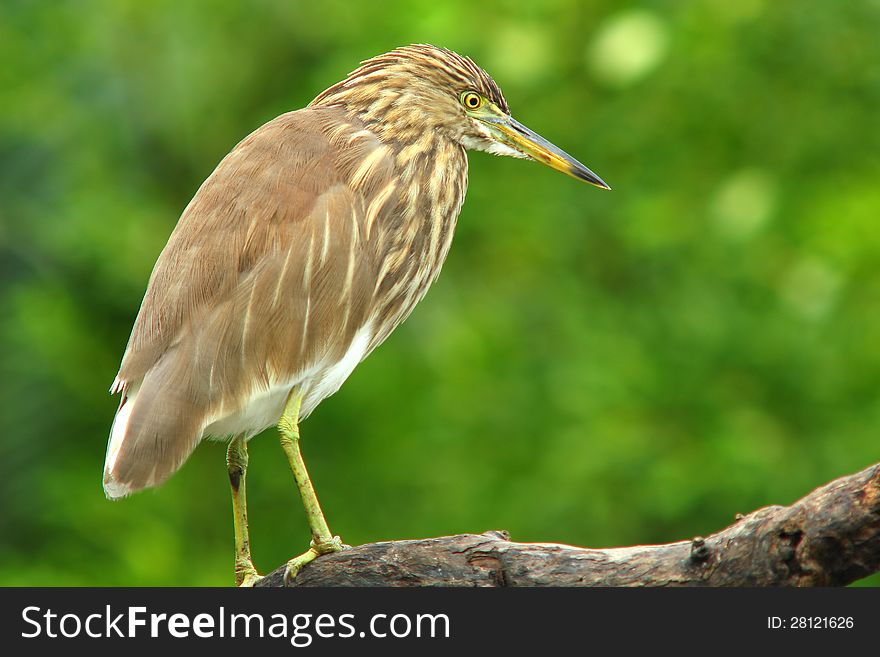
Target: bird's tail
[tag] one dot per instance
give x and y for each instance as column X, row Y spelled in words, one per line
column 155, row 430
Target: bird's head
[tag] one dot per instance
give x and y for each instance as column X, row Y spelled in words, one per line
column 419, row 92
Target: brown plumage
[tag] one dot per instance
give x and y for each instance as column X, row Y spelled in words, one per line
column 303, row 250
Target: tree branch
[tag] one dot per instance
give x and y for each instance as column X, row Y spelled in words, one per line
column 831, row 537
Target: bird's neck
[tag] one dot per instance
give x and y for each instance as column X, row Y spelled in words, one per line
column 429, row 164
column 431, row 181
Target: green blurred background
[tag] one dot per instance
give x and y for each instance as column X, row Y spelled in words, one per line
column 591, row 368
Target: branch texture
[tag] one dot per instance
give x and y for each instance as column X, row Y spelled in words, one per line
column 831, row 537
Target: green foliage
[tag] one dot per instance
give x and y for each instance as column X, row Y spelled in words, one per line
column 592, row 368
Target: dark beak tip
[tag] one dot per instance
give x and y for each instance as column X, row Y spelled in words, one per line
column 511, row 132
column 592, row 178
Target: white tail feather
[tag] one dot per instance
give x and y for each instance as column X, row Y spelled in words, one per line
column 112, row 488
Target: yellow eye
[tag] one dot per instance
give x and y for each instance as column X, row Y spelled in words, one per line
column 471, row 100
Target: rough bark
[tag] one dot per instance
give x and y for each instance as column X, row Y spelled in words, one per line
column 831, row 537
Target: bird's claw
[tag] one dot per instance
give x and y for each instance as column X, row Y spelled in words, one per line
column 335, row 544
column 247, row 577
column 316, row 549
column 249, row 581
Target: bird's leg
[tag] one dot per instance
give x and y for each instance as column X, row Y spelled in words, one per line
column 323, row 542
column 236, row 463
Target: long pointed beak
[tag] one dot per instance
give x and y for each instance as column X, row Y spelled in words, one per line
column 514, row 134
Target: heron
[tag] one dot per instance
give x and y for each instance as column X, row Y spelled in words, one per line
column 308, row 244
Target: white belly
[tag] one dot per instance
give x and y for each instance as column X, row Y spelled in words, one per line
column 318, row 382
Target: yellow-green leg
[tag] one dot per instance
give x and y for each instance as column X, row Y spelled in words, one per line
column 236, row 463
column 323, row 542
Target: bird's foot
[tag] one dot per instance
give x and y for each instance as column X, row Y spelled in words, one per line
column 315, row 550
column 247, row 576
column 335, row 544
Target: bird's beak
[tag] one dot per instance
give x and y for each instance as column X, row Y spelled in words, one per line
column 514, row 134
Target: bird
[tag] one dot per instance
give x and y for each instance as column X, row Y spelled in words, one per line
column 308, row 244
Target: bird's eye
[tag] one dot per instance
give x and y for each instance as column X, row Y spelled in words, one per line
column 471, row 100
